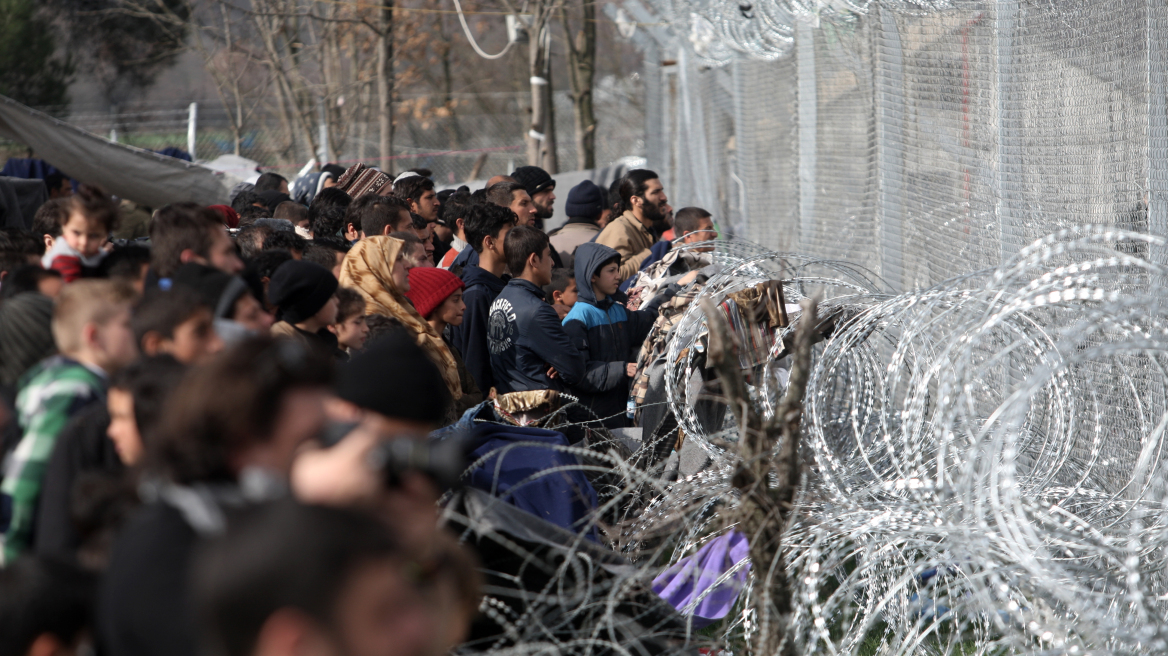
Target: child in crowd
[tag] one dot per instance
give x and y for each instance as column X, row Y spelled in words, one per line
column 529, row 348
column 91, row 217
column 91, row 326
column 176, row 322
column 305, row 294
column 136, row 397
column 351, row 329
column 561, row 293
column 437, row 296
column 606, row 334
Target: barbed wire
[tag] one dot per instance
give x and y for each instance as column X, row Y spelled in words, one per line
column 983, row 469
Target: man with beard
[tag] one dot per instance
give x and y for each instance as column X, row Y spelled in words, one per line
column 646, row 214
column 542, row 189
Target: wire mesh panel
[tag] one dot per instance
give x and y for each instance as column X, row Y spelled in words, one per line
column 920, row 144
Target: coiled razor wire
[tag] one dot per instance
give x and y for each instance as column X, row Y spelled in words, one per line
column 983, row 461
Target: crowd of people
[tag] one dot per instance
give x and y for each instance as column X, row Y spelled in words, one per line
column 190, row 417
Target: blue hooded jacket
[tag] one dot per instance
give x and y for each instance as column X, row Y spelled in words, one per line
column 608, row 335
column 525, row 338
column 470, row 338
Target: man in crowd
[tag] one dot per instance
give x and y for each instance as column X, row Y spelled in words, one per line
column 542, row 189
column 633, row 233
column 486, row 227
column 186, row 232
column 586, row 202
column 375, row 216
column 513, row 196
column 454, row 211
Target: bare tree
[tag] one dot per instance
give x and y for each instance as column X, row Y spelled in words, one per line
column 385, row 82
column 581, row 72
column 541, row 138
column 765, row 511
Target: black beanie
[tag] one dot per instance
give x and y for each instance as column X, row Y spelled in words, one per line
column 300, row 289
column 533, row 179
column 585, row 200
column 394, row 377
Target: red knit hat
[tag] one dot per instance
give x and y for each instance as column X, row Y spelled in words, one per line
column 430, row 287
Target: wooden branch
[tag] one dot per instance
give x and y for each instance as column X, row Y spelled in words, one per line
column 765, row 511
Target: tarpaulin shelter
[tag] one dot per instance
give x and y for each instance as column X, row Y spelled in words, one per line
column 127, row 172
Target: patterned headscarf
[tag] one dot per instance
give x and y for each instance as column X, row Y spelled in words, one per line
column 368, row 268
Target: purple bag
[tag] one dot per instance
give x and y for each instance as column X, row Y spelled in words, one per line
column 692, row 576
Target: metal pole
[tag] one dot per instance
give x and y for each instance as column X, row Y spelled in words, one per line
column 1007, row 175
column 890, row 113
column 808, row 114
column 1157, row 129
column 192, row 128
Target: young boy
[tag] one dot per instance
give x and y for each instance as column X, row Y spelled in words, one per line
column 177, row 322
column 91, row 325
column 486, row 231
column 529, row 348
column 350, row 328
column 561, row 293
column 136, row 398
column 606, row 333
column 91, row 217
column 305, row 294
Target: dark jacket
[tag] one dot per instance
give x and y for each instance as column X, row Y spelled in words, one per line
column 608, row 336
column 143, row 604
column 525, row 338
column 470, row 338
column 82, row 447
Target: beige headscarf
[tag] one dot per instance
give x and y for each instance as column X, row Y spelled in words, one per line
column 368, row 268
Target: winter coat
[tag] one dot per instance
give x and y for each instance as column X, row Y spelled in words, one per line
column 570, row 236
column 608, row 335
column 525, row 337
column 470, row 338
column 631, row 239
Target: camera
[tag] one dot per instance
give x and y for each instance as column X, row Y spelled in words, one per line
column 443, row 461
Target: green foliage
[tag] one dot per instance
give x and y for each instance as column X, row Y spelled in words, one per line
column 30, row 70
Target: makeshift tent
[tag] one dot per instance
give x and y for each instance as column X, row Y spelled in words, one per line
column 131, row 173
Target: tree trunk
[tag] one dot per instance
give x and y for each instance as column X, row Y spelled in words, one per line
column 581, row 73
column 385, row 83
column 541, row 138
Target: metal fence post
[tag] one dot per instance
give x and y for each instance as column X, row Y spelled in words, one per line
column 1006, row 20
column 1157, row 129
column 807, row 104
column 890, row 116
column 192, row 128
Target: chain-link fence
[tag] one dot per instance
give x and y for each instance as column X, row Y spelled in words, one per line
column 922, row 144
column 471, row 139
